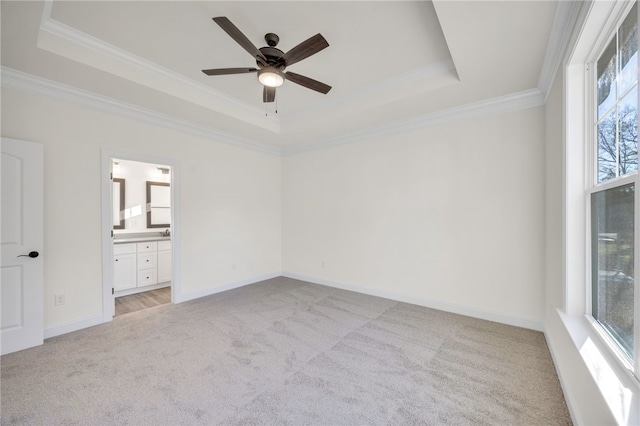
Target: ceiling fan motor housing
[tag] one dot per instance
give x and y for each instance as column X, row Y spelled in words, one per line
column 273, row 56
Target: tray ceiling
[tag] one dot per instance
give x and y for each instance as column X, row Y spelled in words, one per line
column 387, row 61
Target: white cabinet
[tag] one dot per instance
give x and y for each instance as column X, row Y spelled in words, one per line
column 140, row 265
column 148, row 247
column 164, row 261
column 147, row 277
column 164, row 245
column 147, row 260
column 147, row 263
column 124, row 267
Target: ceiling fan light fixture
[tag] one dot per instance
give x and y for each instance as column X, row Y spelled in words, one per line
column 271, row 77
column 271, row 61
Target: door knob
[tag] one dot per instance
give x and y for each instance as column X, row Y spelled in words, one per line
column 32, row 254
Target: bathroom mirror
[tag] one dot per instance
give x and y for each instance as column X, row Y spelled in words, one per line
column 158, row 205
column 118, row 203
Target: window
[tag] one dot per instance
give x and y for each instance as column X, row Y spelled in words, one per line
column 613, row 215
column 617, row 102
column 612, row 223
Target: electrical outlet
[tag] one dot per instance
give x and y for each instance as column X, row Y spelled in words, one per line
column 58, row 299
column 322, row 264
column 233, row 266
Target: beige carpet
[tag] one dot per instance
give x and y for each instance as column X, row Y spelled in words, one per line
column 286, row 352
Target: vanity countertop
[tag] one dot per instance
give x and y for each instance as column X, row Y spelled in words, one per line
column 140, row 239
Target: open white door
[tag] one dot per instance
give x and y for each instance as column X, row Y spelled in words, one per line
column 21, row 235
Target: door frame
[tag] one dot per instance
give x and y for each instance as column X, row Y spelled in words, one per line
column 108, row 305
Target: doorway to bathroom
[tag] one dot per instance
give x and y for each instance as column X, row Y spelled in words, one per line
column 142, row 235
column 139, row 255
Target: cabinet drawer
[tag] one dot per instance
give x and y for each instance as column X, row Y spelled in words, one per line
column 147, row 247
column 124, row 249
column 147, row 277
column 147, row 260
column 164, row 245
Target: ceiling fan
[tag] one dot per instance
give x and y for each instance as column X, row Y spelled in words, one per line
column 272, row 62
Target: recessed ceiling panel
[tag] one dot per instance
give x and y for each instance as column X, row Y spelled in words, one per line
column 387, row 61
column 370, row 42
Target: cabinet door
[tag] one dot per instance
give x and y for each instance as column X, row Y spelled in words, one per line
column 124, row 271
column 164, row 266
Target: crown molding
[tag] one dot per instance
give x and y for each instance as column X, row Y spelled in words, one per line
column 517, row 101
column 21, row 81
column 53, row 32
column 59, row 38
column 563, row 23
column 18, row 80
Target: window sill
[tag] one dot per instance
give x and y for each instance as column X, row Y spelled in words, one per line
column 619, row 389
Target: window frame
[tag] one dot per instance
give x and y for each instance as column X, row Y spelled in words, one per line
column 616, row 388
column 592, row 186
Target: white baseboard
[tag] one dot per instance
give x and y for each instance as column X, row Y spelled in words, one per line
column 183, row 297
column 69, row 326
column 524, row 322
column 75, row 325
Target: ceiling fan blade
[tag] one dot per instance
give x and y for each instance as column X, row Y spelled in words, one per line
column 309, row 47
column 307, row 82
column 225, row 71
column 268, row 94
column 239, row 37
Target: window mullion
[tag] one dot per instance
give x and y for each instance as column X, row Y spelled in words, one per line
column 593, row 121
column 636, row 277
column 617, row 139
column 615, row 107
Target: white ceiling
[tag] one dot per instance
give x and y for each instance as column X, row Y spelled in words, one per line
column 388, row 61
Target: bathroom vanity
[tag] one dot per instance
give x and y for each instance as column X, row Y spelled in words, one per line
column 141, row 264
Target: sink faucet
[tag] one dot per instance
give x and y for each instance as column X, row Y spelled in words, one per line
column 165, row 233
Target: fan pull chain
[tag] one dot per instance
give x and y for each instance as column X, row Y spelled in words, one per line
column 266, row 108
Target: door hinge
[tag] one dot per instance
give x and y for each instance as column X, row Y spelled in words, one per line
column 112, row 233
column 113, row 291
column 111, row 175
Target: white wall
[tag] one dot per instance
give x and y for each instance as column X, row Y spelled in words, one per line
column 230, row 201
column 554, row 297
column 449, row 216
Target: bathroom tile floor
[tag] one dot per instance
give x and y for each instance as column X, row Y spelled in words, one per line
column 140, row 301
